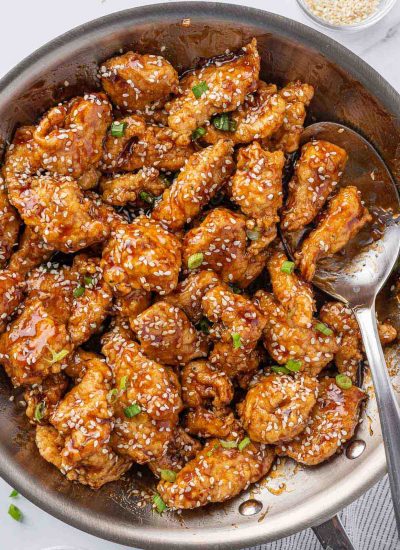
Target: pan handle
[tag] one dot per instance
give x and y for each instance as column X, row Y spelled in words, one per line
column 332, row 536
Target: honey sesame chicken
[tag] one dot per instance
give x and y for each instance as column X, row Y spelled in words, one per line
column 9, row 225
column 203, row 383
column 213, row 422
column 134, row 188
column 180, row 450
column 42, row 399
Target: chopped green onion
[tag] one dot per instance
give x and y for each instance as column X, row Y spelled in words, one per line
column 112, row 395
column 228, row 444
column 79, row 291
column 253, row 234
column 280, row 369
column 287, row 267
column 57, row 356
column 232, row 125
column 293, row 365
column 168, row 475
column 237, row 342
column 215, row 446
column 223, row 122
column 236, row 289
column 343, row 381
column 123, row 383
column 118, row 129
column 146, row 197
column 132, row 410
column 15, row 512
column 13, row 494
column 39, row 411
column 204, row 325
column 321, row 327
column 244, row 443
column 159, row 503
column 195, row 260
column 88, row 280
column 199, row 89
column 198, row 133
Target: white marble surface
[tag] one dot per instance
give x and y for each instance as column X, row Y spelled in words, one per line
column 26, row 25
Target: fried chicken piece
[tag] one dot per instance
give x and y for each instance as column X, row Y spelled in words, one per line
column 92, row 299
column 89, row 179
column 140, row 188
column 297, row 97
column 134, row 81
column 201, row 178
column 316, row 174
column 32, row 252
column 295, row 295
column 189, row 293
column 344, row 218
column 216, row 88
column 284, row 340
column 350, row 353
column 144, row 145
column 180, row 450
column 142, row 256
column 277, row 408
column 22, row 158
column 9, row 225
column 78, row 364
column 260, row 115
column 238, row 326
column 332, row 423
column 257, row 188
column 202, row 383
column 131, row 305
column 41, row 399
column 220, row 423
column 216, row 474
column 11, row 294
column 166, row 334
column 70, row 136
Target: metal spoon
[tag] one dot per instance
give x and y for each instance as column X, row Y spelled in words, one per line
column 357, row 274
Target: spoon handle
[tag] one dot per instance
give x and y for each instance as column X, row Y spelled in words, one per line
column 389, row 410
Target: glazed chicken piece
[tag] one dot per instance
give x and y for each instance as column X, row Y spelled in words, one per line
column 180, row 450
column 316, row 174
column 92, row 299
column 216, row 88
column 295, row 295
column 260, row 115
column 41, row 399
column 142, row 145
column 166, row 334
column 277, row 408
column 285, row 340
column 70, row 136
column 202, row 177
column 132, row 304
column 202, row 383
column 350, row 353
column 206, row 423
column 142, row 256
column 11, row 294
column 238, row 326
column 332, row 423
column 78, row 364
column 134, row 81
column 344, row 218
column 257, row 188
column 22, row 158
column 216, row 474
column 32, row 252
column 297, row 97
column 140, row 188
column 9, row 225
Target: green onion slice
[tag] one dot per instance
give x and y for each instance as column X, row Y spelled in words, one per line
column 293, row 365
column 39, row 411
column 159, row 503
column 280, row 369
column 13, row 494
column 88, row 280
column 228, row 444
column 15, row 512
column 321, row 327
column 132, row 410
column 237, row 342
column 343, row 381
column 287, row 267
column 118, row 128
column 198, row 133
column 79, row 291
column 253, row 234
column 244, row 443
column 224, row 123
column 195, row 260
column 146, row 197
column 168, row 475
column 199, row 89
column 57, row 356
column 123, row 383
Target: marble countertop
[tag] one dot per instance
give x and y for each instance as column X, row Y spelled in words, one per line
column 28, row 25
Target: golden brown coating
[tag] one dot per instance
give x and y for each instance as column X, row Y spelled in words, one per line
column 219, row 88
column 220, row 423
column 41, row 399
column 166, row 334
column 70, row 136
column 78, row 363
column 216, row 474
column 297, row 97
column 197, row 183
column 202, row 383
column 9, row 225
column 277, row 408
column 32, row 252
column 260, row 115
column 295, row 295
column 284, row 340
column 11, row 294
column 142, row 256
column 144, row 145
column 180, row 450
column 134, row 81
column 316, row 174
column 238, row 326
column 130, row 305
column 23, row 157
column 130, row 188
column 343, row 219
column 332, row 422
column 257, row 188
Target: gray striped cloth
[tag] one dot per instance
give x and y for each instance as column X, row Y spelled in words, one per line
column 369, row 523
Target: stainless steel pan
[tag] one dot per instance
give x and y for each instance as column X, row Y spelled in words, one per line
column 348, row 91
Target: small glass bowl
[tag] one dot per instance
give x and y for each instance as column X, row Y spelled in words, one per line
column 384, row 7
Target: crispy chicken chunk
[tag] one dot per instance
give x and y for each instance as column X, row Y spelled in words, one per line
column 216, row 88
column 9, row 225
column 205, row 423
column 41, row 399
column 317, row 172
column 202, row 383
column 180, row 450
column 166, row 334
column 134, row 81
column 11, row 294
column 257, row 189
column 32, row 252
column 216, row 474
column 201, row 178
column 277, row 408
column 142, row 256
column 23, row 157
column 131, row 305
column 343, row 219
column 332, row 423
column 140, row 188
